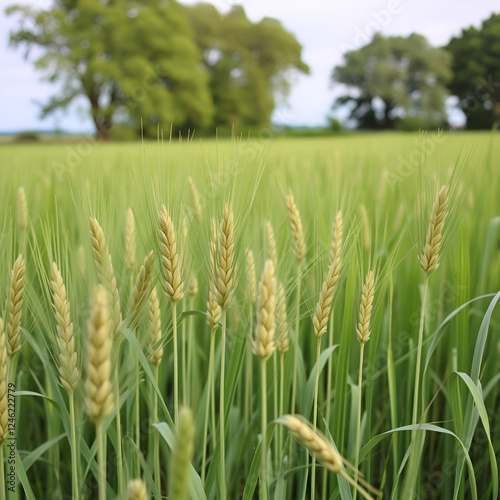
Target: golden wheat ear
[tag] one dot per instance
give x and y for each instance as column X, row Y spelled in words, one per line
column 429, row 259
column 263, row 345
column 298, row 241
column 225, row 268
column 283, row 341
column 195, row 199
column 22, row 211
column 136, row 490
column 15, row 309
column 141, row 288
column 130, row 241
column 363, row 330
column 155, row 348
column 173, row 284
column 68, row 360
column 100, row 402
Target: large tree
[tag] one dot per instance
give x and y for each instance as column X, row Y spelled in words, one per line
column 132, row 60
column 476, row 67
column 394, row 77
column 250, row 64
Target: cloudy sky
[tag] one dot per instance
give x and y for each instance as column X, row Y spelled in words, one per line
column 325, row 28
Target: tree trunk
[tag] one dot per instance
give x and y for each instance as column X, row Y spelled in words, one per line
column 103, row 124
column 388, row 121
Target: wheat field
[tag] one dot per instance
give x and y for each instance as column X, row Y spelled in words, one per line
column 251, row 318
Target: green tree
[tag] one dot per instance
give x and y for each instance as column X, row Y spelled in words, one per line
column 394, row 77
column 250, row 64
column 132, row 60
column 476, row 67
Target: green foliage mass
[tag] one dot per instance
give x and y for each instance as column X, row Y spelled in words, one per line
column 406, row 75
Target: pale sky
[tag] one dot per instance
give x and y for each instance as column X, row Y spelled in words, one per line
column 325, row 28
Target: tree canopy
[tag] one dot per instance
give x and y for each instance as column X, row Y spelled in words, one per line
column 476, row 68
column 146, row 63
column 395, row 77
column 249, row 64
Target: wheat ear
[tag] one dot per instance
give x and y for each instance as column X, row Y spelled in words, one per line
column 155, row 349
column 271, row 245
column 320, row 319
column 195, row 199
column 193, row 285
column 68, row 360
column 429, row 260
column 225, row 267
column 338, row 229
column 130, row 241
column 173, row 284
column 251, row 281
column 283, row 341
column 363, row 330
column 141, row 288
column 4, row 413
column 263, row 345
column 15, row 307
column 98, row 382
column 22, row 212
column 298, row 242
column 104, row 266
column 137, row 490
column 183, row 454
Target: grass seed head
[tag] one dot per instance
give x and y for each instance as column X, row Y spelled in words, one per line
column 137, row 490
column 282, row 337
column 155, row 348
column 225, row 267
column 195, row 199
column 429, row 260
column 141, row 288
column 22, row 211
column 15, row 309
column 338, row 229
column 173, row 284
column 324, row 306
column 314, row 442
column 130, row 241
column 104, row 266
column 183, row 455
column 263, row 345
column 98, row 382
column 363, row 330
column 251, row 280
column 68, row 360
column 271, row 245
column 298, row 242
column 193, row 285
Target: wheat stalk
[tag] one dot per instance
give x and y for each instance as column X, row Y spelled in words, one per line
column 363, row 330
column 429, row 260
column 104, row 266
column 183, row 455
column 225, row 267
column 195, row 199
column 15, row 309
column 4, row 413
column 141, row 288
column 22, row 212
column 271, row 245
column 155, row 349
column 68, row 360
column 137, row 490
column 173, row 284
column 338, row 229
column 130, row 241
column 298, row 242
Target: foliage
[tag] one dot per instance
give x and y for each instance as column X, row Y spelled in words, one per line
column 249, row 63
column 394, row 77
column 476, row 69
